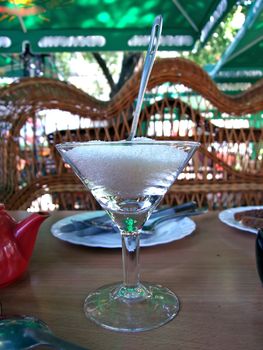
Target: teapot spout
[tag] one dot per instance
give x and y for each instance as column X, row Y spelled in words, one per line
column 26, row 231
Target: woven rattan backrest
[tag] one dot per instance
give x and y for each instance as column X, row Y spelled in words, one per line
column 179, row 103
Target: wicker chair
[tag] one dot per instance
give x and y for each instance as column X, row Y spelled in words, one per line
column 223, row 173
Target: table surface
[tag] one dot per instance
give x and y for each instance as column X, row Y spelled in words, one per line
column 213, row 272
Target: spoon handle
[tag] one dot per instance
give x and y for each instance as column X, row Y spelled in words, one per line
column 148, row 64
column 149, row 228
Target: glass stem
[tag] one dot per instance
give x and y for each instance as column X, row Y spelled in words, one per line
column 130, row 259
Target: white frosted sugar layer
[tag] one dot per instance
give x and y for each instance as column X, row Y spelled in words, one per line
column 127, row 169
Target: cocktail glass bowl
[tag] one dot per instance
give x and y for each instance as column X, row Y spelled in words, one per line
column 129, row 179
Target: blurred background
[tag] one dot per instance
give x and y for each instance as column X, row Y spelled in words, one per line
column 69, row 70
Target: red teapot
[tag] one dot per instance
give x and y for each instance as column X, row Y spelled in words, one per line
column 17, row 240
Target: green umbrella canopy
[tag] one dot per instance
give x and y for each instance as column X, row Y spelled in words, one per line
column 106, row 25
column 243, row 59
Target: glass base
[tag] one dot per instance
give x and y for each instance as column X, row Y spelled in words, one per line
column 123, row 309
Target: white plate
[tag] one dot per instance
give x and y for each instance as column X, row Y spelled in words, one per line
column 227, row 217
column 166, row 232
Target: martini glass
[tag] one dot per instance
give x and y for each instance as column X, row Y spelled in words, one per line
column 129, row 179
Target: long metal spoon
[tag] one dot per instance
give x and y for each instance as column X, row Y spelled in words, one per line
column 148, row 64
column 26, row 332
column 149, row 229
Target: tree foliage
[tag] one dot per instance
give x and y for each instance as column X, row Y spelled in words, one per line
column 128, row 65
column 219, row 41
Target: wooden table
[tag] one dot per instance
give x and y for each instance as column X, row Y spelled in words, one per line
column 212, row 271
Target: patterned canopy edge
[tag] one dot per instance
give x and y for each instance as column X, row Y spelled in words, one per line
column 81, row 25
